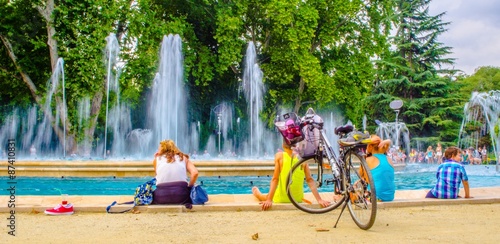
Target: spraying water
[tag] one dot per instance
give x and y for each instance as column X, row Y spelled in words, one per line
column 43, row 139
column 483, row 111
column 84, row 107
column 45, row 132
column 253, row 89
column 397, row 132
column 167, row 115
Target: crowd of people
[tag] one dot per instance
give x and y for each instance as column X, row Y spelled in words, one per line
column 436, row 156
column 206, row 155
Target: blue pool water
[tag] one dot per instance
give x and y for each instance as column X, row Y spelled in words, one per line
column 413, row 177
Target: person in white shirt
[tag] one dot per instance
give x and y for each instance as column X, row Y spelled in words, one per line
column 171, row 167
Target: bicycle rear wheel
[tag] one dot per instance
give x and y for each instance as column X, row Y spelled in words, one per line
column 308, row 202
column 362, row 198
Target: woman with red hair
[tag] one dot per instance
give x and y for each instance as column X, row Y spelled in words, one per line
column 171, row 166
column 381, row 168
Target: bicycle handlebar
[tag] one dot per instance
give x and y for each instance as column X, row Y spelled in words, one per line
column 311, row 122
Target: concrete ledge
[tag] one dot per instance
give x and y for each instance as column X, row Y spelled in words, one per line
column 229, row 202
column 108, row 168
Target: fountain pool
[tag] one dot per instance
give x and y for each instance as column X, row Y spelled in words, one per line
column 413, row 177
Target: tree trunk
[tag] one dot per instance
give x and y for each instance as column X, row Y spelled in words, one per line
column 298, row 100
column 94, row 112
column 51, row 31
column 26, row 78
column 70, row 139
column 70, row 142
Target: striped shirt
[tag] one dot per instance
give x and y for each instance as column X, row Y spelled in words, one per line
column 449, row 175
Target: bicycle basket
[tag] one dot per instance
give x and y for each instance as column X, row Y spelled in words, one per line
column 289, row 126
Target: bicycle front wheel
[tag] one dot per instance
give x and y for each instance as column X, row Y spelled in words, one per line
column 301, row 195
column 362, row 199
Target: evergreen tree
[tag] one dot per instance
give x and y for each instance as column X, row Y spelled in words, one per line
column 412, row 72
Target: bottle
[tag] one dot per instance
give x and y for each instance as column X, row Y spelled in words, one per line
column 64, row 199
column 335, row 169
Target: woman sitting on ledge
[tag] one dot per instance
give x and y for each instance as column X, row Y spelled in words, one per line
column 283, row 162
column 171, row 165
column 381, row 167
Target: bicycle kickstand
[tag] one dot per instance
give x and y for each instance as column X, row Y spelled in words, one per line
column 341, row 211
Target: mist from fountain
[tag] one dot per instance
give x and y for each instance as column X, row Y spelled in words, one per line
column 249, row 139
column 167, row 114
column 483, row 109
column 333, row 120
column 253, row 88
column 25, row 128
column 9, row 128
column 397, row 132
column 85, row 145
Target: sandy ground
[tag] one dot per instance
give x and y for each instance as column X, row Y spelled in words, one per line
column 477, row 223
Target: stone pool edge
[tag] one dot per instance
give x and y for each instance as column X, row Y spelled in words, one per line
column 228, row 202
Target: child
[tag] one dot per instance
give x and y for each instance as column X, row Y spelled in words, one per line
column 449, row 175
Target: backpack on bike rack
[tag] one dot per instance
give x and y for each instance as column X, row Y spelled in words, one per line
column 289, row 126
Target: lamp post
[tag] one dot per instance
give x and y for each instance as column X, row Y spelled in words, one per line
column 218, row 125
column 218, row 110
column 396, row 105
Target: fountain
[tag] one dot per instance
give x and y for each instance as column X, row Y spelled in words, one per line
column 253, row 89
column 112, row 51
column 24, row 126
column 481, row 116
column 85, row 146
column 247, row 136
column 396, row 131
column 167, row 114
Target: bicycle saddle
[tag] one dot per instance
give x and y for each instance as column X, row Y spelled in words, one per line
column 343, row 129
column 354, row 138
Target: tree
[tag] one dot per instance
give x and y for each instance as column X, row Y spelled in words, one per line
column 411, row 72
column 314, row 52
column 74, row 31
column 485, row 79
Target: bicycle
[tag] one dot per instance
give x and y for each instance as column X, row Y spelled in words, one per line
column 340, row 174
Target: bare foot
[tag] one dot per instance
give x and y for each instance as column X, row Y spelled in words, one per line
column 258, row 194
column 337, row 198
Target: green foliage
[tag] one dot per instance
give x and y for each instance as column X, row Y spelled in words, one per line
column 318, row 52
column 483, row 80
column 22, row 25
column 326, row 54
column 409, row 72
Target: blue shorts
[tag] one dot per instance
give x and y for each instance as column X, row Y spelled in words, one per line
column 430, row 195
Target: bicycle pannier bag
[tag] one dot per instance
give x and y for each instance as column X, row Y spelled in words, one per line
column 309, row 145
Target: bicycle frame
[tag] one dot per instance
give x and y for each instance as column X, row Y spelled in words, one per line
column 336, row 163
column 349, row 169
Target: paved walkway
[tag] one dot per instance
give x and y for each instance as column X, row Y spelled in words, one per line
column 230, row 202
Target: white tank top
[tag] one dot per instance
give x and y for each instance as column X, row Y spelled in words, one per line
column 170, row 172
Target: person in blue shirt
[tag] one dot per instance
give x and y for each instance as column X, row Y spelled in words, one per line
column 449, row 175
column 381, row 168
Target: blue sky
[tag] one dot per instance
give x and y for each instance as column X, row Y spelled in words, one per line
column 474, row 32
